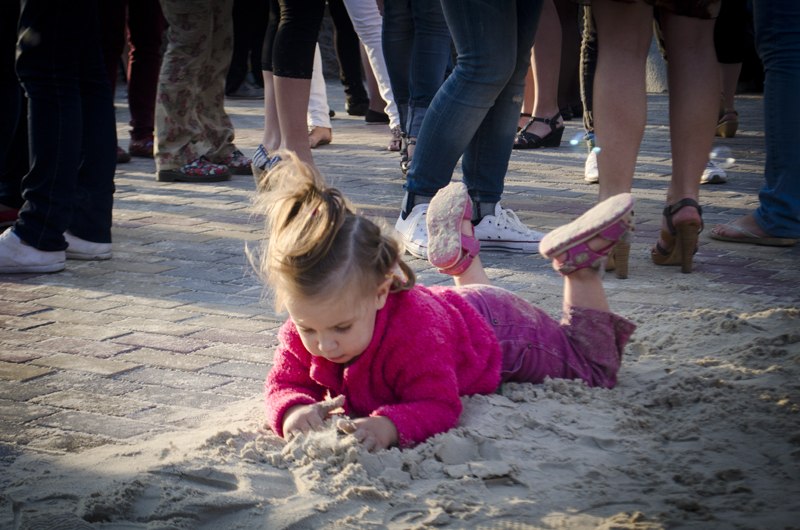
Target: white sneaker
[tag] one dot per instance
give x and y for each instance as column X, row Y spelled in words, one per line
column 86, row 250
column 414, row 231
column 19, row 257
column 504, row 231
column 591, row 175
column 713, row 174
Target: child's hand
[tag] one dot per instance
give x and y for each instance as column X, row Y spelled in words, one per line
column 305, row 418
column 375, row 432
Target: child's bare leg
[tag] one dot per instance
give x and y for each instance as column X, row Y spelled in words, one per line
column 584, row 288
column 579, row 248
column 475, row 274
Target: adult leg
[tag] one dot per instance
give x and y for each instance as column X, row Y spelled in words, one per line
column 545, row 67
column 778, row 42
column 625, row 32
column 368, row 23
column 177, row 127
column 486, row 157
column 145, row 29
column 348, row 54
column 319, row 120
column 693, row 103
column 398, row 41
column 217, row 125
column 292, row 61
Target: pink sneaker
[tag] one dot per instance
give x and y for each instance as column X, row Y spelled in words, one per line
column 448, row 249
column 609, row 220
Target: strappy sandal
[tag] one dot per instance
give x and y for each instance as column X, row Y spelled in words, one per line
column 609, row 220
column 524, row 115
column 527, row 140
column 405, row 158
column 680, row 238
column 728, row 123
column 396, row 143
column 449, row 250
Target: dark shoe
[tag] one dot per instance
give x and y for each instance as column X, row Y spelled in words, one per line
column 122, row 156
column 356, row 108
column 8, row 217
column 201, row 170
column 141, row 148
column 526, row 140
column 375, row 118
column 246, row 90
column 237, row 163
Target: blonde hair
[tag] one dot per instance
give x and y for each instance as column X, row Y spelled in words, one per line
column 317, row 245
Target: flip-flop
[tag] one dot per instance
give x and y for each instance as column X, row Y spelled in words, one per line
column 609, row 220
column 448, row 249
column 746, row 236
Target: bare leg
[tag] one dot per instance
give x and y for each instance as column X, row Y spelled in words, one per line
column 291, row 98
column 693, row 104
column 528, row 97
column 730, row 78
column 546, row 65
column 271, row 139
column 620, row 99
column 584, row 288
column 475, row 274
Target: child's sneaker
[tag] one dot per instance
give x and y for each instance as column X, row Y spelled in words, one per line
column 504, row 231
column 201, row 170
column 449, row 249
column 609, row 220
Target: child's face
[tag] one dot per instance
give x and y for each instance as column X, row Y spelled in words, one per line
column 337, row 328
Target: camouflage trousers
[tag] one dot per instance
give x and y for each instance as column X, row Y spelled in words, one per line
column 190, row 117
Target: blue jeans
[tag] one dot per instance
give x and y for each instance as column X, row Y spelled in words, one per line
column 475, row 111
column 777, row 25
column 72, row 131
column 416, row 46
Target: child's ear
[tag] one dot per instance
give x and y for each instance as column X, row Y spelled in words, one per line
column 383, row 293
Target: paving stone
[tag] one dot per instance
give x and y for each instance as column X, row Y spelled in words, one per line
column 21, row 372
column 85, row 364
column 89, row 402
column 100, row 424
column 176, row 379
column 173, row 361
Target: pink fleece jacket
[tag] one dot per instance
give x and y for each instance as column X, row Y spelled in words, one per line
column 429, row 348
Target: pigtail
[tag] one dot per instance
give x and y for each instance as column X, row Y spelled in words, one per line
column 316, row 243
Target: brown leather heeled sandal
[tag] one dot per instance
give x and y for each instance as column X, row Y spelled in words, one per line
column 680, row 239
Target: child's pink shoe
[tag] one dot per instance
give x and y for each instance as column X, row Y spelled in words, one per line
column 448, row 249
column 609, row 220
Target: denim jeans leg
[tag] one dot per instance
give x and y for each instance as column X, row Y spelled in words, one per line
column 93, row 198
column 485, row 34
column 778, row 44
column 398, row 42
column 430, row 59
column 485, row 160
column 48, row 66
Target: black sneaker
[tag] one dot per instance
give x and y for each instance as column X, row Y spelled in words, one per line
column 356, row 108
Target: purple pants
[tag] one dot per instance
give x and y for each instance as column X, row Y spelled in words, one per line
column 587, row 344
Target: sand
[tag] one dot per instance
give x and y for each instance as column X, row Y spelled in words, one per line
column 702, row 431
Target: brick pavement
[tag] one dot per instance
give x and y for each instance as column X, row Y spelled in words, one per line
column 176, row 325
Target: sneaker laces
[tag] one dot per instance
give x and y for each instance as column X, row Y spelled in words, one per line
column 508, row 220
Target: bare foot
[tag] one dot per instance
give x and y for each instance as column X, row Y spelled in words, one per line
column 746, row 222
column 319, row 136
